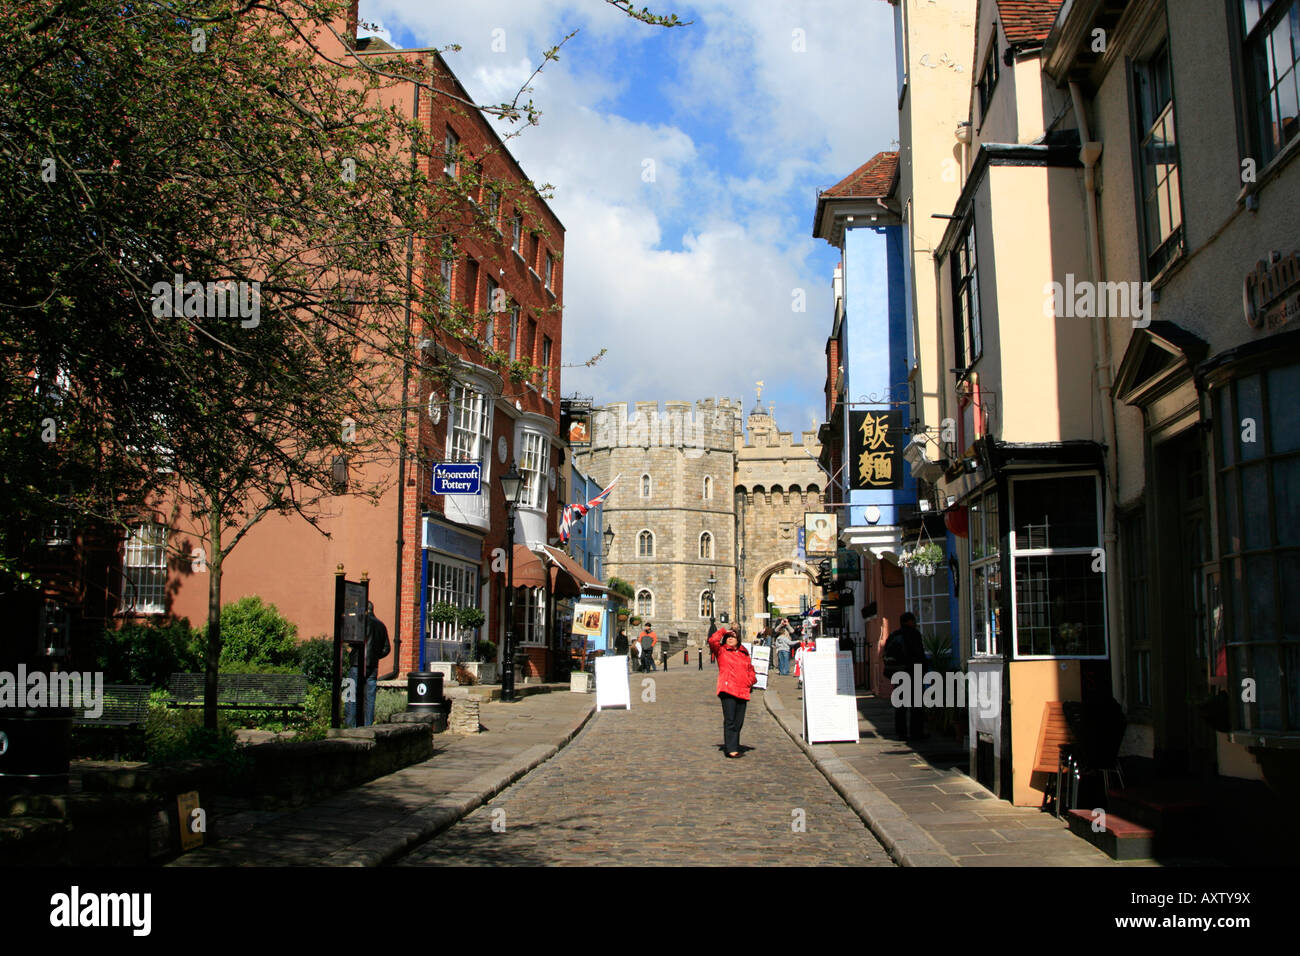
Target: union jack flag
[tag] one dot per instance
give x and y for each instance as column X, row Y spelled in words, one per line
column 575, row 513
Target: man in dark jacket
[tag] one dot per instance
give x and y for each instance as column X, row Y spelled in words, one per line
column 903, row 649
column 377, row 648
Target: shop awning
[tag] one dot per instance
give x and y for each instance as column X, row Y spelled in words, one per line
column 568, row 577
column 528, row 571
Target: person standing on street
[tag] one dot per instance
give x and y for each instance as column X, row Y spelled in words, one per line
column 783, row 652
column 636, row 654
column 377, row 648
column 903, row 649
column 735, row 677
column 648, row 641
column 620, row 643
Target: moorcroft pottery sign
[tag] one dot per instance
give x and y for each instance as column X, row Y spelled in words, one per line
column 1270, row 294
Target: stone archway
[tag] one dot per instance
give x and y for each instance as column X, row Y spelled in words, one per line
column 756, row 600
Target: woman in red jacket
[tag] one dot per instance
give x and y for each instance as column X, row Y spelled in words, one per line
column 735, row 677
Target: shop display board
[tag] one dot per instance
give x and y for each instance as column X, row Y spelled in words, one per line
column 611, row 683
column 830, row 700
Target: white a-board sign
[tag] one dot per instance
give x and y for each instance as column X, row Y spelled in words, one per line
column 761, row 658
column 830, row 702
column 611, row 683
column 828, row 644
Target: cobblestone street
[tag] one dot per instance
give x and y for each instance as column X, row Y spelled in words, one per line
column 651, row 786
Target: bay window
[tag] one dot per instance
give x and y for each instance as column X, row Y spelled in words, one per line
column 534, row 464
column 469, row 432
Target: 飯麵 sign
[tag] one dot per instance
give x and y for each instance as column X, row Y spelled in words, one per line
column 876, row 442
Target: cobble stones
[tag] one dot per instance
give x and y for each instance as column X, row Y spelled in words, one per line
column 651, row 786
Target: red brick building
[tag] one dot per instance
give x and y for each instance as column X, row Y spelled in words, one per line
column 416, row 548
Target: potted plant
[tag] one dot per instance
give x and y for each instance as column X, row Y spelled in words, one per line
column 484, row 665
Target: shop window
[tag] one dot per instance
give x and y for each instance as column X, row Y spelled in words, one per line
column 985, row 576
column 926, row 596
column 530, row 616
column 1259, row 505
column 1058, row 567
column 452, row 582
column 1272, row 47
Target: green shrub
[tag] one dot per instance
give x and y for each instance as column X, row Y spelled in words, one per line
column 389, row 701
column 146, row 653
column 487, row 651
column 255, row 633
column 316, row 660
column 173, row 734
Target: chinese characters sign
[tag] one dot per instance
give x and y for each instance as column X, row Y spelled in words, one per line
column 875, row 450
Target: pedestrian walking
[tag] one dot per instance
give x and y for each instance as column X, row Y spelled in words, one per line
column 903, row 649
column 636, row 653
column 735, row 677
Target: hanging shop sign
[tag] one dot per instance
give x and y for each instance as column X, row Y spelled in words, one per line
column 876, row 442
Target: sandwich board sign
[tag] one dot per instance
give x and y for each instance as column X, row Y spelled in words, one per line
column 830, row 700
column 611, row 683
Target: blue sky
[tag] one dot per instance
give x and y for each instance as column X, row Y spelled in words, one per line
column 688, row 280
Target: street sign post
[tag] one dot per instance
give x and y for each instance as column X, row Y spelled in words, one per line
column 457, row 478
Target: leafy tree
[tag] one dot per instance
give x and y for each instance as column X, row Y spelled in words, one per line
column 228, row 143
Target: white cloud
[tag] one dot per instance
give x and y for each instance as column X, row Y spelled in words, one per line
column 688, row 279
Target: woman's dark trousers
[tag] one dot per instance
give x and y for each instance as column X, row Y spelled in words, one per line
column 733, row 717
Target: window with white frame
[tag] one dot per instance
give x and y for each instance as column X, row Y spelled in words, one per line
column 1057, row 566
column 469, row 432
column 985, row 576
column 451, row 154
column 550, row 271
column 926, row 596
column 546, row 367
column 645, row 544
column 516, row 234
column 494, row 209
column 530, row 615
column 534, row 465
column 645, row 486
column 453, row 582
column 645, row 603
column 144, row 570
column 448, row 267
column 493, row 300
column 514, row 332
column 706, row 545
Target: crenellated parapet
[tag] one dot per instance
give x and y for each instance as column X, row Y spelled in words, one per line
column 707, row 425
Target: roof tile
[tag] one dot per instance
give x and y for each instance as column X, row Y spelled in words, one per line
column 1027, row 21
column 874, row 178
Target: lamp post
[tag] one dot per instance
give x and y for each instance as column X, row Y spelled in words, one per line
column 713, row 583
column 608, row 535
column 511, row 483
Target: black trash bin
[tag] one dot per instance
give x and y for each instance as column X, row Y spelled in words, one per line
column 35, row 748
column 424, row 692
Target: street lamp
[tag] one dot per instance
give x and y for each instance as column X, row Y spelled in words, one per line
column 511, row 484
column 609, row 540
column 713, row 583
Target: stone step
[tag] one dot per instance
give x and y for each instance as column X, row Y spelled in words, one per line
column 1120, row 839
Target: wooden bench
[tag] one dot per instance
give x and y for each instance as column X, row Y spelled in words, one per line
column 124, row 712
column 282, row 692
column 1057, row 733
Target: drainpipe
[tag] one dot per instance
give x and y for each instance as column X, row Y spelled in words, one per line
column 401, row 463
column 1089, row 154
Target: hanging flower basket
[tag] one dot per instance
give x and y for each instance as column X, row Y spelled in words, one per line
column 923, row 560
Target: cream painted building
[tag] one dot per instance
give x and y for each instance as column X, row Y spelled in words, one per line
column 1116, row 364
